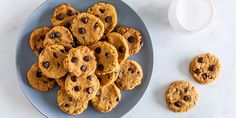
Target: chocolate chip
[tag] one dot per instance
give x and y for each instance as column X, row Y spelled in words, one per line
column 46, row 64
column 66, row 105
column 89, row 78
column 63, row 51
column 197, row 71
column 39, row 50
column 55, row 55
column 84, row 20
column 82, row 31
column 108, row 19
column 67, row 49
column 89, row 90
column 100, row 67
column 74, row 59
column 186, row 89
column 58, row 34
column 70, row 13
column 177, row 104
column 83, row 68
column 42, row 37
column 77, row 88
column 131, row 39
column 60, row 17
column 102, row 10
column 117, row 99
column 87, row 58
column 52, row 35
column 121, row 49
column 38, row 74
column 95, row 26
column 186, row 98
column 210, row 76
column 204, row 75
column 105, row 39
column 131, row 70
column 211, row 68
column 108, row 55
column 98, row 50
column 176, row 90
column 70, row 99
column 97, row 16
column 67, row 25
column 58, row 64
column 73, row 78
column 201, row 60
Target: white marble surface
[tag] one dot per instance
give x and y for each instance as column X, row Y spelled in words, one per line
column 173, row 52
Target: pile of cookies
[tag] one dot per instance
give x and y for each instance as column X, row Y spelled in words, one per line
column 87, row 56
column 182, row 95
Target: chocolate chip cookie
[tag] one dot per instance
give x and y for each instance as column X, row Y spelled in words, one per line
column 87, row 28
column 130, row 75
column 61, row 81
column 69, row 105
column 133, row 37
column 119, row 42
column 181, row 96
column 51, row 61
column 38, row 80
column 63, row 15
column 59, row 35
column 106, row 98
column 107, row 58
column 107, row 13
column 81, row 61
column 36, row 39
column 82, row 88
column 108, row 78
column 205, row 68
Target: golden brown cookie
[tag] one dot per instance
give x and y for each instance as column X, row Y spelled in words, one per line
column 63, row 15
column 133, row 37
column 51, row 61
column 69, row 105
column 87, row 28
column 107, row 13
column 38, row 80
column 107, row 58
column 205, row 68
column 82, row 88
column 80, row 61
column 108, row 78
column 36, row 39
column 119, row 42
column 130, row 75
column 106, row 98
column 181, row 96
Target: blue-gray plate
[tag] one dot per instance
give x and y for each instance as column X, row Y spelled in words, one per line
column 46, row 103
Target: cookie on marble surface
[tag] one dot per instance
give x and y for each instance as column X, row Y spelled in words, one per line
column 106, row 98
column 82, row 88
column 107, row 58
column 130, row 75
column 51, row 61
column 108, row 78
column 69, row 105
column 133, row 37
column 80, row 61
column 38, row 80
column 205, row 68
column 107, row 13
column 181, row 96
column 87, row 28
column 37, row 38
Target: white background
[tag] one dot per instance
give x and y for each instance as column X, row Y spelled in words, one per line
column 173, row 52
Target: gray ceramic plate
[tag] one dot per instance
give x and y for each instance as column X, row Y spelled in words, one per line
column 46, row 102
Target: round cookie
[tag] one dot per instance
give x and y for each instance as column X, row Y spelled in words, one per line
column 82, row 88
column 119, row 42
column 61, row 81
column 106, row 98
column 63, row 15
column 51, row 61
column 80, row 61
column 107, row 13
column 59, row 35
column 181, row 96
column 36, row 39
column 108, row 78
column 87, row 28
column 205, row 68
column 38, row 80
column 68, row 105
column 130, row 75
column 107, row 58
column 133, row 37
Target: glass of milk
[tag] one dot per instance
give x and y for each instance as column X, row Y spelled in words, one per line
column 190, row 16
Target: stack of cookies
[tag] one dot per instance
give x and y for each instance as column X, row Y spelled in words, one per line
column 87, row 56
